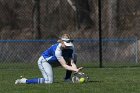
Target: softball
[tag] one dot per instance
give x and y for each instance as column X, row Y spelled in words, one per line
column 82, row 80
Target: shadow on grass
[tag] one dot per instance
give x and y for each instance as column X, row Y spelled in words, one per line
column 91, row 81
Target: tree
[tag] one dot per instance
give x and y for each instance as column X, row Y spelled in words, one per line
column 36, row 19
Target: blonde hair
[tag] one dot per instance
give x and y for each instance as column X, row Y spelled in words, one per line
column 67, row 36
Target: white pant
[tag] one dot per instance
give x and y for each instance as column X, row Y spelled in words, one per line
column 46, row 70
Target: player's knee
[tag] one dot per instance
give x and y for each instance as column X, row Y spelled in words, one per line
column 48, row 82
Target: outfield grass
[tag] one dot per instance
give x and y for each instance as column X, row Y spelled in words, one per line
column 102, row 80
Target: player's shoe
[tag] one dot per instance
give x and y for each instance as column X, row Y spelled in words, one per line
column 20, row 81
column 68, row 80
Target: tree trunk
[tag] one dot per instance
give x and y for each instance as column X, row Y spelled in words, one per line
column 112, row 28
column 83, row 13
column 36, row 19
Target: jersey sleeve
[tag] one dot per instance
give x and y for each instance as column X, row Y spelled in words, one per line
column 58, row 53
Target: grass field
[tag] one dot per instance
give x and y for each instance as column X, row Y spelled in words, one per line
column 102, row 80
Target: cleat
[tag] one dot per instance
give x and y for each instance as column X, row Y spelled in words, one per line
column 68, row 80
column 17, row 81
column 20, row 81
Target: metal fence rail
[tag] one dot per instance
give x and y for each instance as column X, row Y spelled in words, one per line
column 115, row 51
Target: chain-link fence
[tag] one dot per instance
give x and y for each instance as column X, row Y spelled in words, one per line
column 116, row 52
column 120, row 19
column 25, row 20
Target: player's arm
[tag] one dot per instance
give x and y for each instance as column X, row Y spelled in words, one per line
column 58, row 54
column 72, row 68
column 73, row 64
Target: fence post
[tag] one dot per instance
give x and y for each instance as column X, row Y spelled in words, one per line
column 100, row 33
column 136, row 49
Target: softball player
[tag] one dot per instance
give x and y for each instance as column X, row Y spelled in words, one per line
column 62, row 53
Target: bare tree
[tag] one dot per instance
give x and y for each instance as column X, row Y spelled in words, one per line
column 36, row 19
column 109, row 16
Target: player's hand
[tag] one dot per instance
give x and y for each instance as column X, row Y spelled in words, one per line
column 80, row 68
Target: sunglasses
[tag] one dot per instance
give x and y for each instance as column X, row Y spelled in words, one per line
column 68, row 41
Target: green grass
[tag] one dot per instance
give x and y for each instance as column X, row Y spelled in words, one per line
column 102, row 80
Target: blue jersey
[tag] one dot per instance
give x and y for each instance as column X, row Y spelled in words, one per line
column 54, row 53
